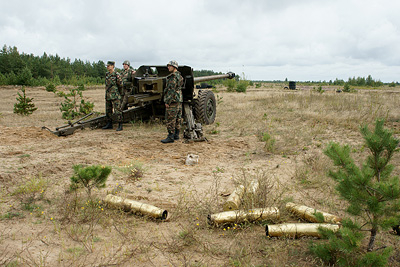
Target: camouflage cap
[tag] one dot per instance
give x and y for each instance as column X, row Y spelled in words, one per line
column 173, row 63
column 126, row 62
column 111, row 63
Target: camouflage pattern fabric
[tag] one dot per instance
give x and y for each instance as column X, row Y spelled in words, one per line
column 173, row 88
column 127, row 81
column 173, row 98
column 113, row 96
column 113, row 86
column 173, row 116
column 114, row 105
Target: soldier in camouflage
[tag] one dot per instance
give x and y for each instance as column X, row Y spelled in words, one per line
column 113, row 96
column 173, row 102
column 127, row 75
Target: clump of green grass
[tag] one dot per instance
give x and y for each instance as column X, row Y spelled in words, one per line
column 31, row 190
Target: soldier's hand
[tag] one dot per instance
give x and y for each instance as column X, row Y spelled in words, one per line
column 166, row 105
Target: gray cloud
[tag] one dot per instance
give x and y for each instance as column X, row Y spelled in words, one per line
column 303, row 40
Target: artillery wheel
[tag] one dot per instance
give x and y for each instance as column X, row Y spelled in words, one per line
column 205, row 107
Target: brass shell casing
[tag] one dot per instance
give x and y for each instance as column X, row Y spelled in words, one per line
column 298, row 229
column 308, row 213
column 135, row 206
column 234, row 199
column 238, row 216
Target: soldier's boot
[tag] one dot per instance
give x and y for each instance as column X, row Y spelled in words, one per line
column 119, row 127
column 169, row 139
column 109, row 125
column 176, row 135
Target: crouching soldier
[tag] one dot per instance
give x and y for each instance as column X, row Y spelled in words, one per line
column 173, row 102
column 113, row 96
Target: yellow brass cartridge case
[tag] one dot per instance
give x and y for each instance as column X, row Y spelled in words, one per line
column 135, row 206
column 238, row 216
column 308, row 213
column 298, row 229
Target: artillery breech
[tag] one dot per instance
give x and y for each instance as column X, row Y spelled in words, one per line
column 308, row 213
column 298, row 229
column 238, row 216
column 135, row 206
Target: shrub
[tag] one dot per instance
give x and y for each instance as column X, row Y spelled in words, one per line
column 51, row 88
column 347, row 88
column 242, row 86
column 230, row 84
column 269, row 141
column 25, row 106
column 74, row 104
column 343, row 248
column 372, row 193
column 89, row 177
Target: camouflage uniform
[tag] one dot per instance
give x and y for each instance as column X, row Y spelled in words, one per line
column 127, row 79
column 173, row 98
column 113, row 96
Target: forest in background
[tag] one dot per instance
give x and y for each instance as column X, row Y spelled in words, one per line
column 27, row 69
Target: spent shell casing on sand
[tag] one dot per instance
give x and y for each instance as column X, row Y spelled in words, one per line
column 308, row 213
column 135, row 206
column 239, row 216
column 234, row 199
column 298, row 229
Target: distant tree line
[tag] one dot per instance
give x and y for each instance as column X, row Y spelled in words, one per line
column 359, row 81
column 26, row 69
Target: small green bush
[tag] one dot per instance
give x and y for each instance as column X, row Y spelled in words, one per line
column 269, row 142
column 89, row 177
column 242, row 86
column 25, row 106
column 230, row 85
column 51, row 88
column 74, row 104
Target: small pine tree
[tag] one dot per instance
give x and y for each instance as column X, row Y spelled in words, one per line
column 25, row 106
column 89, row 177
column 74, row 104
column 372, row 193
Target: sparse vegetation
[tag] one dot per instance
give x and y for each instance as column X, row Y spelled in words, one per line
column 66, row 227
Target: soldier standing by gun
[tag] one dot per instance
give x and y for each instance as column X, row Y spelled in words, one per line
column 127, row 76
column 173, row 102
column 113, row 83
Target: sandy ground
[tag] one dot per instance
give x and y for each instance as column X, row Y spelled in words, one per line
column 27, row 151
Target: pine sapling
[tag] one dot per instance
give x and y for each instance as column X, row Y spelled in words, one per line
column 89, row 177
column 372, row 193
column 25, row 106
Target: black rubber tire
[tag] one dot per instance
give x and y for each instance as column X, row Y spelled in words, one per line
column 205, row 107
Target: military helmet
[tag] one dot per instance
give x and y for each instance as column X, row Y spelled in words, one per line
column 126, row 62
column 173, row 63
column 111, row 63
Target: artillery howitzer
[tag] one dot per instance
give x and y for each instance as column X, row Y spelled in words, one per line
column 146, row 100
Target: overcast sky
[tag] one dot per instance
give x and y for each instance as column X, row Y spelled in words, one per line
column 264, row 39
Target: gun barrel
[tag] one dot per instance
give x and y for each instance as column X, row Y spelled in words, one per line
column 229, row 75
